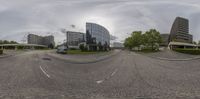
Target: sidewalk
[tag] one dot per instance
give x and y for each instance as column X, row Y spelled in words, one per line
column 4, row 56
column 84, row 59
column 172, row 56
column 8, row 53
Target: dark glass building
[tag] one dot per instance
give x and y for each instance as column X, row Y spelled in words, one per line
column 180, row 31
column 165, row 39
column 97, row 37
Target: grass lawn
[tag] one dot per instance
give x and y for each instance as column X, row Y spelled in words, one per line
column 188, row 51
column 83, row 53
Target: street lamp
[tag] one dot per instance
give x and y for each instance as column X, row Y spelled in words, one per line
column 65, row 32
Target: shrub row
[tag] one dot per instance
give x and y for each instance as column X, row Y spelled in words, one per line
column 188, row 51
column 1, row 51
column 147, row 50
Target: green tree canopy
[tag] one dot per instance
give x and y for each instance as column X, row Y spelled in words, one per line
column 152, row 37
column 7, row 42
column 199, row 43
column 194, row 42
column 137, row 38
column 128, row 43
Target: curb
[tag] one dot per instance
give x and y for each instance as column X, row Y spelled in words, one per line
column 85, row 62
column 6, row 56
column 168, row 59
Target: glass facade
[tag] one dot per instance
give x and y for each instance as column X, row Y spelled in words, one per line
column 97, row 34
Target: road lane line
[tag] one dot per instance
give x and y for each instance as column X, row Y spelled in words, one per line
column 100, row 81
column 114, row 72
column 44, row 72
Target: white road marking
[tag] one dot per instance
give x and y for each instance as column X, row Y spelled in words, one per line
column 100, row 81
column 44, row 72
column 114, row 72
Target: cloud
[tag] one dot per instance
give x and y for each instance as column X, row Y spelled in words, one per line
column 120, row 17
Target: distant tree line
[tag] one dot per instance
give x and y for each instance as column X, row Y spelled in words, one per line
column 148, row 40
column 8, row 42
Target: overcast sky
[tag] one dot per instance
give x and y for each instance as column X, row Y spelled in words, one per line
column 120, row 17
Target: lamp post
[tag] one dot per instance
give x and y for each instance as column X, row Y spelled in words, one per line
column 65, row 32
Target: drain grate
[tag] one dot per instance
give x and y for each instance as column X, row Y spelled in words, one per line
column 46, row 58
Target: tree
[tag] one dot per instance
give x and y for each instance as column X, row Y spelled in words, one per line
column 13, row 42
column 51, row 46
column 6, row 42
column 194, row 42
column 100, row 46
column 137, row 38
column 105, row 46
column 151, row 38
column 82, row 47
column 128, row 43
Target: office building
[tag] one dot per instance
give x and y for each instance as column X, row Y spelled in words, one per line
column 117, row 45
column 96, row 36
column 41, row 40
column 75, row 38
column 180, row 31
column 165, row 39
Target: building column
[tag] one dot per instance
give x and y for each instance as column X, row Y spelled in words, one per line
column 15, row 47
column 170, row 47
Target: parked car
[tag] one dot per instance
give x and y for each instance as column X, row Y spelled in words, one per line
column 62, row 49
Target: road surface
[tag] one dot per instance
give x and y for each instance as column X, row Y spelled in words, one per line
column 35, row 75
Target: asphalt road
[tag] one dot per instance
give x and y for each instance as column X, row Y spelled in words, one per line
column 34, row 75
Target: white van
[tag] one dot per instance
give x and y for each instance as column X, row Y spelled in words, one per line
column 62, row 49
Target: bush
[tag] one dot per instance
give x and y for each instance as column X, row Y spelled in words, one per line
column 1, row 51
column 188, row 51
column 81, row 46
column 72, row 48
column 85, row 49
column 148, row 50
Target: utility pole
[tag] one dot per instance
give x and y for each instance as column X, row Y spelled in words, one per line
column 65, row 32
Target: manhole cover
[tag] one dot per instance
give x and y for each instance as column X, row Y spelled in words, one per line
column 49, row 59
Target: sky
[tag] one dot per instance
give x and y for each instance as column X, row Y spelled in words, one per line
column 120, row 17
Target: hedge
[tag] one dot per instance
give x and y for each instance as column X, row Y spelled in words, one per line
column 1, row 51
column 188, row 51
